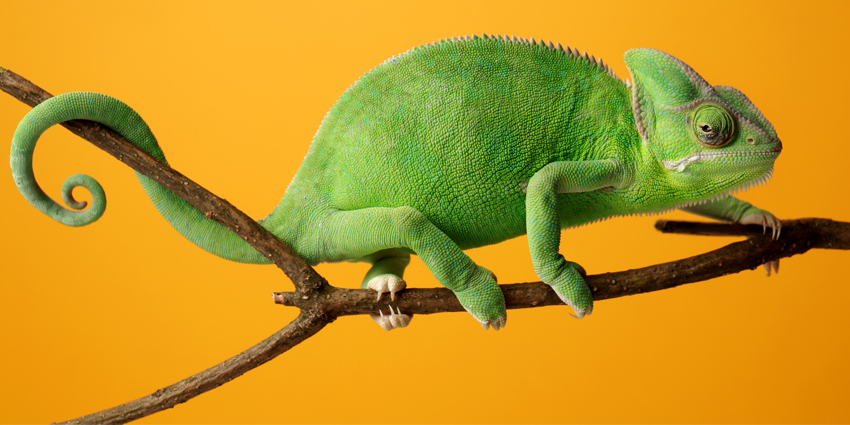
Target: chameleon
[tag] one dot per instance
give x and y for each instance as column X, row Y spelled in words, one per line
column 467, row 142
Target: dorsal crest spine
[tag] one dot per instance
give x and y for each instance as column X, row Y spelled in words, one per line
column 539, row 43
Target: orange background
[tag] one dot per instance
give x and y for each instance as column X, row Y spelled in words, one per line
column 97, row 316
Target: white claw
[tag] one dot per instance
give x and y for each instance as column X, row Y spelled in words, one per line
column 382, row 321
column 398, row 320
column 386, row 283
column 395, row 285
column 378, row 285
column 391, row 321
column 771, row 264
column 497, row 324
column 777, row 228
column 766, row 220
column 394, row 319
column 580, row 313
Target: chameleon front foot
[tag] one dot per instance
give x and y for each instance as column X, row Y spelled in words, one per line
column 393, row 320
column 497, row 324
column 572, row 289
column 771, row 265
column 483, row 299
column 386, row 283
column 765, row 219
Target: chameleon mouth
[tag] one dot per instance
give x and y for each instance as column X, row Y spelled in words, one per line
column 758, row 181
column 693, row 158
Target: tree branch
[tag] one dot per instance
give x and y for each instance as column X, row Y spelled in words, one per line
column 321, row 303
column 798, row 236
column 304, row 326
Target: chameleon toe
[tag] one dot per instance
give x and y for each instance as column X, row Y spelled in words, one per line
column 394, row 320
column 483, row 299
column 386, row 283
column 497, row 324
column 771, row 265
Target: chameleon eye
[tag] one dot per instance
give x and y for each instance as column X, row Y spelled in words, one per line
column 713, row 125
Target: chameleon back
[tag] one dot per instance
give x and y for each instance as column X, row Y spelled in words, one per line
column 455, row 130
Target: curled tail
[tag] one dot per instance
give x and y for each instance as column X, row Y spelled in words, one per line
column 112, row 113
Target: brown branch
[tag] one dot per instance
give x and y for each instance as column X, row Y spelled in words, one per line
column 321, row 304
column 302, row 275
column 304, row 326
column 798, row 236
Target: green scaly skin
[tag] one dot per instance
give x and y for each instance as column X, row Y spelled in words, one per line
column 466, row 143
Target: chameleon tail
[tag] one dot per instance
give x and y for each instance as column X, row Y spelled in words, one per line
column 112, row 113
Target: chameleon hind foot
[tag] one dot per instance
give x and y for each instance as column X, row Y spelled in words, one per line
column 386, row 283
column 393, row 320
column 392, row 284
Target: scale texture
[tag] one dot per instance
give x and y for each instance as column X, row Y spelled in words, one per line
column 469, row 142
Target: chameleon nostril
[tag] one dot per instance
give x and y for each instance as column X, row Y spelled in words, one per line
column 751, row 141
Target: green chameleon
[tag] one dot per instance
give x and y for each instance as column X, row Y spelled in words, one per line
column 469, row 142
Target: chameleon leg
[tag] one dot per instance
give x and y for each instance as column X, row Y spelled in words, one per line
column 358, row 233
column 737, row 211
column 543, row 224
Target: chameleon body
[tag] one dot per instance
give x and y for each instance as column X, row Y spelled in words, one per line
column 468, row 142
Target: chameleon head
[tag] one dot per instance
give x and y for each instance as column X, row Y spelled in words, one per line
column 709, row 139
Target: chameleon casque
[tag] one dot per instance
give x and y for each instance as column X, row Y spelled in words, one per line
column 469, row 142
